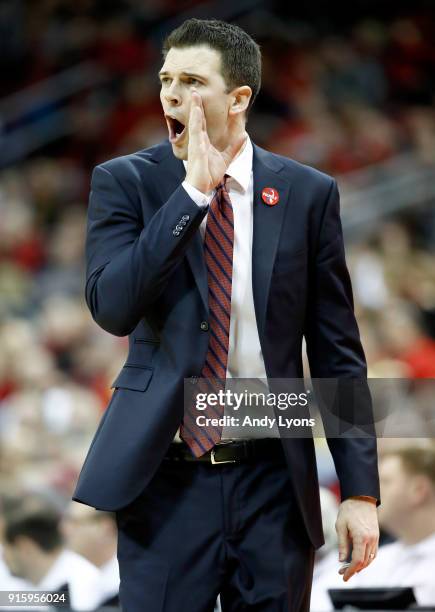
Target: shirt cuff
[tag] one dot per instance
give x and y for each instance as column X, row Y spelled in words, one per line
column 367, row 498
column 201, row 199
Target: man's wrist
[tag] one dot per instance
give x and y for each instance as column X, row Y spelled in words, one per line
column 200, row 198
column 197, row 183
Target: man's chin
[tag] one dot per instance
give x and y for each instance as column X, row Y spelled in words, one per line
column 180, row 152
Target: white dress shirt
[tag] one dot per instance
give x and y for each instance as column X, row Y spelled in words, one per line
column 109, row 579
column 396, row 565
column 245, row 359
column 82, row 576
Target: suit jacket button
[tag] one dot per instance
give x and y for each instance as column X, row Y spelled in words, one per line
column 176, row 232
column 204, row 326
column 185, row 217
column 179, row 228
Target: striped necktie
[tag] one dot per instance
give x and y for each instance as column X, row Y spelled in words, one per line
column 218, row 252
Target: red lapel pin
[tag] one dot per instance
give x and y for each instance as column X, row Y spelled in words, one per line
column 270, row 196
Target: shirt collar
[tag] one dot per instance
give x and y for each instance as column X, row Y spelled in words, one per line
column 241, row 167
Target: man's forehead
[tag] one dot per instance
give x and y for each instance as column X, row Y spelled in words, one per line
column 199, row 59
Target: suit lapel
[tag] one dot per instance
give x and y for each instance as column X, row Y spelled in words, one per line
column 267, row 223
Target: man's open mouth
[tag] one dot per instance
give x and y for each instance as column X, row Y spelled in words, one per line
column 176, row 129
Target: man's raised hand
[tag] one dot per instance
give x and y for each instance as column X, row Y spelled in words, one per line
column 206, row 165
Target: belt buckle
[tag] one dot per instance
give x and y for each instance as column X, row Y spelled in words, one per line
column 215, row 461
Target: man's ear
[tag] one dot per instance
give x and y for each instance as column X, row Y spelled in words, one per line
column 240, row 99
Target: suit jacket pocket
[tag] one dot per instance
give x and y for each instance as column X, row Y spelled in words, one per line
column 133, row 377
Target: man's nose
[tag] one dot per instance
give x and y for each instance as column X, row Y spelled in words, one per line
column 172, row 94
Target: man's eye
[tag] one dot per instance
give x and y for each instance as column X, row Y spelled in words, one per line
column 165, row 80
column 193, row 81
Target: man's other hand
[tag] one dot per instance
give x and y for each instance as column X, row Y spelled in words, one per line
column 357, row 524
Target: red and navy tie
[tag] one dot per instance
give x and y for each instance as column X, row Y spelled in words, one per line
column 218, row 252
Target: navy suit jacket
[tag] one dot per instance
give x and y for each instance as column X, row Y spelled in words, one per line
column 148, row 283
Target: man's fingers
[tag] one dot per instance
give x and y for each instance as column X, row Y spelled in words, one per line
column 359, row 518
column 366, row 560
column 357, row 560
column 197, row 103
column 194, row 106
column 372, row 542
column 371, row 550
column 204, row 124
column 372, row 555
column 195, row 98
column 195, row 122
column 363, row 553
column 343, row 542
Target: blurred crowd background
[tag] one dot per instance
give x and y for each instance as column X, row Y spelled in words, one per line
column 348, row 91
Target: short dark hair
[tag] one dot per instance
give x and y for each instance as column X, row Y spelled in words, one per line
column 240, row 54
column 39, row 525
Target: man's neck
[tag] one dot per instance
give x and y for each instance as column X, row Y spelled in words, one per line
column 242, row 147
column 103, row 554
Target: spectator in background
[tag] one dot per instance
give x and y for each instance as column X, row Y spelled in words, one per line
column 407, row 477
column 7, row 581
column 405, row 340
column 93, row 535
column 34, row 551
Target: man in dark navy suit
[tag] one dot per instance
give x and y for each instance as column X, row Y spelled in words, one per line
column 217, row 258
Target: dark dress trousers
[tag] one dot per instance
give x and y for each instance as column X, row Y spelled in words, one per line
column 148, row 282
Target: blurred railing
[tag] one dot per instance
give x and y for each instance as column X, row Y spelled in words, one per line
column 369, row 195
column 39, row 114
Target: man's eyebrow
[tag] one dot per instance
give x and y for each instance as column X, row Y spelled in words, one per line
column 188, row 74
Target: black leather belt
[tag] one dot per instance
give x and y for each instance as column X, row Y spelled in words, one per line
column 240, row 451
